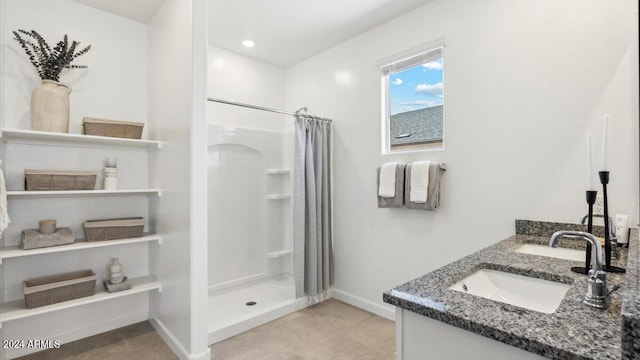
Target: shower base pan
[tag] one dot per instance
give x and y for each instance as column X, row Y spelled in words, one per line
column 235, row 310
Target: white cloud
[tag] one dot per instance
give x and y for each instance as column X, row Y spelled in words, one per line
column 397, row 81
column 430, row 89
column 433, row 65
column 420, row 103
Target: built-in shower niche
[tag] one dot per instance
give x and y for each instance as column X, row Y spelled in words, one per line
column 249, row 228
column 279, row 246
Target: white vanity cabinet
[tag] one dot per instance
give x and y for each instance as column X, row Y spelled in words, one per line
column 420, row 337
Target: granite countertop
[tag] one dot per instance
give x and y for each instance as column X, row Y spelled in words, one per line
column 571, row 332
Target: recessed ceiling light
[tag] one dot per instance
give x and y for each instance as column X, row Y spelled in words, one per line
column 248, row 43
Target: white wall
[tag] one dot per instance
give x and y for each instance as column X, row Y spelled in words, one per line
column 177, row 117
column 114, row 87
column 117, row 62
column 239, row 78
column 524, row 83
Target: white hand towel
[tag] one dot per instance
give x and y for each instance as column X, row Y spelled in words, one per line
column 419, row 181
column 387, row 187
column 4, row 215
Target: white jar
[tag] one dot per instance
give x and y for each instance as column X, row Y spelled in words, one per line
column 116, row 275
column 110, row 178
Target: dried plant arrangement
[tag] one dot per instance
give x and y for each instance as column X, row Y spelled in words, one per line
column 49, row 62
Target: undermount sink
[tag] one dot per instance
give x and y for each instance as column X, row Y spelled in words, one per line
column 558, row 253
column 522, row 291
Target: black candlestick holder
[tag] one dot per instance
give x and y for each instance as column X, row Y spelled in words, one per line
column 604, row 180
column 591, row 199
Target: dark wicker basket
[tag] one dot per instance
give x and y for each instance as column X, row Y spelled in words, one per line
column 58, row 288
column 112, row 128
column 50, row 180
column 114, row 229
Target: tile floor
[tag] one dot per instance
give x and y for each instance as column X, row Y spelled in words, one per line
column 331, row 330
column 138, row 341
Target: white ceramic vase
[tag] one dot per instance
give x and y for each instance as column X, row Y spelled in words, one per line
column 116, row 274
column 50, row 107
column 110, row 178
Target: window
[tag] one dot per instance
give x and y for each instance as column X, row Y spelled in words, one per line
column 413, row 98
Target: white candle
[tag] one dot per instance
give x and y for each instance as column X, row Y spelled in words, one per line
column 605, row 143
column 590, row 161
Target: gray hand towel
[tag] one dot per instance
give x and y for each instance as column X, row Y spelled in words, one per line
column 33, row 239
column 433, row 191
column 397, row 200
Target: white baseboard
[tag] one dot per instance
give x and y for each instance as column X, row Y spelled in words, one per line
column 87, row 331
column 175, row 345
column 205, row 355
column 386, row 312
column 170, row 339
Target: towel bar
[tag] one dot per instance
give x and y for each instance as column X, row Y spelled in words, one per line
column 443, row 167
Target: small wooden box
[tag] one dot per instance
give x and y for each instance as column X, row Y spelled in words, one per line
column 113, row 229
column 112, row 128
column 51, row 180
column 53, row 289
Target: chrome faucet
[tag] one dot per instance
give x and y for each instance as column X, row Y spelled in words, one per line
column 612, row 235
column 597, row 295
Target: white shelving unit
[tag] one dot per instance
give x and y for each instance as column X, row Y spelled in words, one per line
column 28, row 136
column 16, row 309
column 22, row 193
column 278, row 254
column 278, row 196
column 278, row 184
column 142, row 92
column 278, row 171
column 80, row 244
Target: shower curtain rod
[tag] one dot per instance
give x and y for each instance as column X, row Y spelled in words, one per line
column 302, row 111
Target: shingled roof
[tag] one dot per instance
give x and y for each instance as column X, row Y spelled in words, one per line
column 422, row 126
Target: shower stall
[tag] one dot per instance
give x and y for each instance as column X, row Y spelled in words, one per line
column 264, row 262
column 250, row 230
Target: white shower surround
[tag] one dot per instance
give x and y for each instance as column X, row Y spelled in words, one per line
column 249, row 235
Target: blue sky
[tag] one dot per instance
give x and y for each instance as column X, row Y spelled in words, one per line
column 416, row 88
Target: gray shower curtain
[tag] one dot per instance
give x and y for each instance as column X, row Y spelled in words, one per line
column 312, row 243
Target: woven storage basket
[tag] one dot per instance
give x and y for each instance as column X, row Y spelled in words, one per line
column 112, row 128
column 113, row 229
column 58, row 288
column 49, row 180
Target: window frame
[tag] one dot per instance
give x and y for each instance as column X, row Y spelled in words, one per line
column 397, row 63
